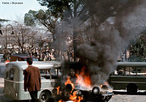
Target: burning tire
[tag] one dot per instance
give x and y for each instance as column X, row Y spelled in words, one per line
column 69, row 87
column 132, row 88
column 45, row 96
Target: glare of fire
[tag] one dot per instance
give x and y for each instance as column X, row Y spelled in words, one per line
column 60, row 100
column 75, row 98
column 83, row 79
column 58, row 89
column 69, row 82
column 105, row 83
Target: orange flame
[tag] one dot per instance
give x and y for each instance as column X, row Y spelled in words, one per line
column 69, row 82
column 60, row 100
column 58, row 89
column 75, row 98
column 83, row 79
column 105, row 83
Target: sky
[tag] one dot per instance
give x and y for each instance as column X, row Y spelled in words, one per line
column 14, row 9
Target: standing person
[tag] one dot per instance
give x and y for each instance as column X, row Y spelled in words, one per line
column 32, row 80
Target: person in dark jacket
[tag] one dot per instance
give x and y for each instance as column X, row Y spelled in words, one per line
column 32, row 80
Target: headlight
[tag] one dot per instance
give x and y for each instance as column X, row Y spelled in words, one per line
column 96, row 90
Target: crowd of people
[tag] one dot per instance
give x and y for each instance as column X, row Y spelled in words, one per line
column 42, row 54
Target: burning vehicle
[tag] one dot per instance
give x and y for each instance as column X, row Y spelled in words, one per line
column 86, row 79
column 76, row 86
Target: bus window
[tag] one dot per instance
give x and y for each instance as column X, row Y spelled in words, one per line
column 128, row 70
column 45, row 73
column 11, row 77
column 54, row 73
column 120, row 70
column 125, row 71
column 141, row 71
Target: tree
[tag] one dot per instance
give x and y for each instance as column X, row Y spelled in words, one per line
column 56, row 7
column 74, row 10
column 138, row 49
column 44, row 17
column 29, row 19
column 20, row 37
column 23, row 36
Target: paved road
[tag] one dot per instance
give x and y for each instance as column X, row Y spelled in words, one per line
column 123, row 96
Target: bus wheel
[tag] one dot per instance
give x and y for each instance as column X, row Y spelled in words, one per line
column 45, row 96
column 132, row 89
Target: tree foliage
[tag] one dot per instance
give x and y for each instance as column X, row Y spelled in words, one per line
column 138, row 49
column 56, row 6
column 29, row 19
column 44, row 17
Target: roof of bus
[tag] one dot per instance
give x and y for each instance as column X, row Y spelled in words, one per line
column 21, row 55
column 40, row 64
column 132, row 64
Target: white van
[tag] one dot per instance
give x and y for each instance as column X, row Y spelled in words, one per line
column 14, row 79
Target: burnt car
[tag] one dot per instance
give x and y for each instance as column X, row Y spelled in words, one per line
column 72, row 91
column 94, row 95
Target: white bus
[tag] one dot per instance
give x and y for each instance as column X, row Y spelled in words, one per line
column 130, row 76
column 14, row 80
